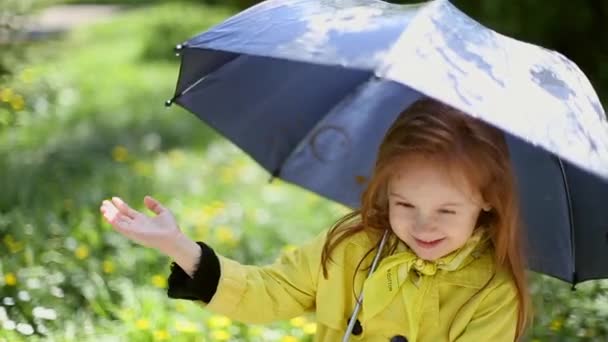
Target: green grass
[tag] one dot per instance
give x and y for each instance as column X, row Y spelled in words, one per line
column 95, row 125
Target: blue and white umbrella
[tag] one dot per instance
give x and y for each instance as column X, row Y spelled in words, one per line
column 309, row 87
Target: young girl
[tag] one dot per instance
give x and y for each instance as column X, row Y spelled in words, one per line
column 442, row 194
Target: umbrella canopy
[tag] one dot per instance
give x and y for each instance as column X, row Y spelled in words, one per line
column 309, row 87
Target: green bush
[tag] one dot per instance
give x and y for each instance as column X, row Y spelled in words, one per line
column 174, row 25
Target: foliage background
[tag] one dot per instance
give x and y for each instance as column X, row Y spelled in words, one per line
column 81, row 119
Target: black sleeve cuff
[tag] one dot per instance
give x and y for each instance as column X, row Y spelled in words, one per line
column 205, row 278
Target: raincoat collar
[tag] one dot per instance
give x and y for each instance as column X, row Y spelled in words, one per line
column 404, row 265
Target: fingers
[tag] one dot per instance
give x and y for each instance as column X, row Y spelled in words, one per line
column 124, row 207
column 153, row 205
column 113, row 216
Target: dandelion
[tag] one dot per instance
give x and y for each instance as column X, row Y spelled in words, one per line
column 556, row 324
column 120, row 154
column 13, row 245
column 82, row 252
column 298, row 322
column 218, row 322
column 142, row 324
column 8, row 239
column 6, row 94
column 17, row 102
column 225, row 235
column 159, row 281
column 289, row 338
column 161, row 335
column 108, row 266
column 10, row 279
column 310, row 328
column 220, row 335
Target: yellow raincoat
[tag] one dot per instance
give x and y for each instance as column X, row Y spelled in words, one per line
column 406, row 296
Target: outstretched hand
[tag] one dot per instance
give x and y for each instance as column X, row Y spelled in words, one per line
column 158, row 231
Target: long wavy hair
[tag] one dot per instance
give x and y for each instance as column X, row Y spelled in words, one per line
column 461, row 143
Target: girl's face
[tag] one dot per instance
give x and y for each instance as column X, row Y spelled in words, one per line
column 430, row 211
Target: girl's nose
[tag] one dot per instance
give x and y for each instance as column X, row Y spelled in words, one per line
column 423, row 223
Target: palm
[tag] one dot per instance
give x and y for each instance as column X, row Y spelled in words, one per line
column 150, row 231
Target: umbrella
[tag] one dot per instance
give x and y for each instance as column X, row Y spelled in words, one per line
column 300, row 85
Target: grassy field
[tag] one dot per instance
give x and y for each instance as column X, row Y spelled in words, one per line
column 85, row 120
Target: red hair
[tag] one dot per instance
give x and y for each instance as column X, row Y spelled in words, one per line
column 461, row 143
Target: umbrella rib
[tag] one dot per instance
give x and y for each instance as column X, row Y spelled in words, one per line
column 570, row 219
column 181, row 93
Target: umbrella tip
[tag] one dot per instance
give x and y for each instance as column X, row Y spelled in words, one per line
column 178, row 48
column 168, row 103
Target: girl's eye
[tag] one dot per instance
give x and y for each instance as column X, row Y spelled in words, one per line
column 404, row 204
column 446, row 211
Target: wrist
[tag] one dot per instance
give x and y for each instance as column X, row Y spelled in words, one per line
column 185, row 252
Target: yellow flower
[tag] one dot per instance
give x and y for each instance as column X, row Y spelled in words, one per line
column 218, row 322
column 220, row 335
column 142, row 324
column 120, row 154
column 15, row 247
column 289, row 338
column 161, row 335
column 212, row 210
column 159, row 281
column 10, row 279
column 556, row 324
column 310, row 328
column 186, row 326
column 81, row 252
column 108, row 266
column 17, row 102
column 225, row 235
column 298, row 322
column 8, row 239
column 6, row 94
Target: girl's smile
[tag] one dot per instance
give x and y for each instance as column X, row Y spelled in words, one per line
column 428, row 243
column 432, row 210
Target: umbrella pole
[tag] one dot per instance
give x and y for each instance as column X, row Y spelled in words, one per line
column 353, row 317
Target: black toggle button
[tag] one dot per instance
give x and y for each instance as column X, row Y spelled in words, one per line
column 357, row 328
column 398, row 338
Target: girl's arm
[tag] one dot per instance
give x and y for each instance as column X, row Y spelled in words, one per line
column 252, row 294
